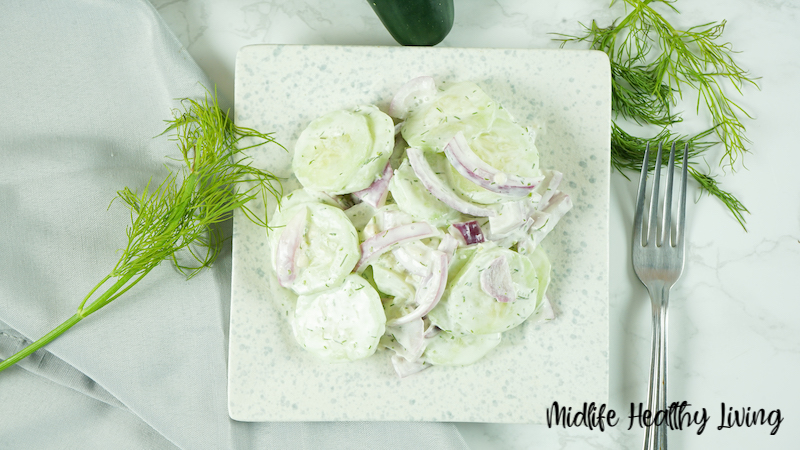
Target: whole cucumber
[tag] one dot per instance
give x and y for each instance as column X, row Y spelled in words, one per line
column 415, row 22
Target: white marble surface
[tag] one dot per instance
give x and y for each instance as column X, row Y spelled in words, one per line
column 734, row 326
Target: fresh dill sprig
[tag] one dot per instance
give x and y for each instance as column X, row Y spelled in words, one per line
column 627, row 153
column 652, row 62
column 181, row 214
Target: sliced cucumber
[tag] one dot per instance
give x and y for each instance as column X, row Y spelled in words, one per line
column 344, row 151
column 444, row 349
column 466, row 309
column 340, row 316
column 360, row 215
column 460, row 259
column 541, row 264
column 341, row 324
column 459, row 107
column 506, row 146
column 391, row 279
column 412, row 197
column 328, row 251
column 302, row 196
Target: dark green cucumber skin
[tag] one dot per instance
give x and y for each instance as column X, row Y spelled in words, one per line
column 415, row 22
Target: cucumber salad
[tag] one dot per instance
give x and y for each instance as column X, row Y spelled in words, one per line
column 416, row 232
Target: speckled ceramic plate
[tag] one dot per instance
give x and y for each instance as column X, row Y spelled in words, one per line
column 566, row 94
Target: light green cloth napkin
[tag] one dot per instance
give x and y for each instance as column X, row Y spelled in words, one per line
column 85, row 87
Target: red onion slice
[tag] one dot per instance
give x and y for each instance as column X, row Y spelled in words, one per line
column 511, row 218
column 411, row 95
column 410, row 336
column 375, row 195
column 545, row 220
column 286, row 249
column 470, row 231
column 496, row 281
column 551, row 182
column 559, row 204
column 448, row 246
column 404, row 367
column 383, row 241
column 432, row 331
column 473, row 168
column 389, row 218
column 429, row 292
column 438, row 189
column 412, row 265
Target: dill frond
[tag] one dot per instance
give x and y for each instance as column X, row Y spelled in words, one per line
column 652, row 63
column 180, row 214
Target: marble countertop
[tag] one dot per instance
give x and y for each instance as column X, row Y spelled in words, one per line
column 734, row 339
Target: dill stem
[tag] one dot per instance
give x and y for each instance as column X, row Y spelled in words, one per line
column 107, row 295
column 122, row 283
column 69, row 323
column 188, row 188
column 41, row 342
column 638, row 6
column 94, row 289
column 180, row 211
column 641, row 5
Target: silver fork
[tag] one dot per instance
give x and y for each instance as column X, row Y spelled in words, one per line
column 658, row 262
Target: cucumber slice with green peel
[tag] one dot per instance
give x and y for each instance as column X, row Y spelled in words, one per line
column 506, row 146
column 301, row 196
column 466, row 309
column 412, row 197
column 459, row 107
column 344, row 323
column 328, row 250
column 460, row 259
column 493, row 283
column 344, row 151
column 444, row 349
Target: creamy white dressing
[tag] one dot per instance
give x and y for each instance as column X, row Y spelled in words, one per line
column 341, row 324
column 423, row 292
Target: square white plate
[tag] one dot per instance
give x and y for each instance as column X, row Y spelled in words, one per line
column 566, row 94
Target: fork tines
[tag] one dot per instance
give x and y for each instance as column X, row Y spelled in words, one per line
column 666, row 222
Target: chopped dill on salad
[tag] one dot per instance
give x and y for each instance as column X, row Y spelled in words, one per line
column 416, row 231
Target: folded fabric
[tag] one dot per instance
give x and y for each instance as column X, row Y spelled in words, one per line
column 86, row 87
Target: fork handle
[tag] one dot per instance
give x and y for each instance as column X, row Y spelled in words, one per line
column 655, row 437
